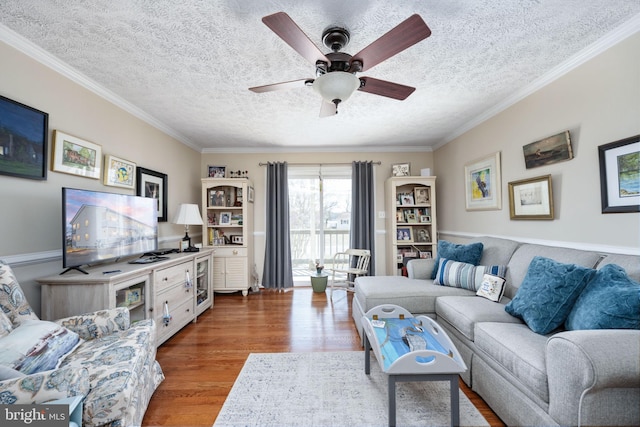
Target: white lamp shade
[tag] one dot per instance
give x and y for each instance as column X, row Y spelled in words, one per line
column 336, row 85
column 188, row 214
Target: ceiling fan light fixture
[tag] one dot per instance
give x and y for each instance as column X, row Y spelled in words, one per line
column 336, row 85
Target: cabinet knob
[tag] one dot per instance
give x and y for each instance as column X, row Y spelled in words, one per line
column 235, row 252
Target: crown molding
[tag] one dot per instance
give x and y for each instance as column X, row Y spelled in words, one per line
column 616, row 36
column 331, row 149
column 35, row 52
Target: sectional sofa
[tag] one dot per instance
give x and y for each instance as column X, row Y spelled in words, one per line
column 559, row 375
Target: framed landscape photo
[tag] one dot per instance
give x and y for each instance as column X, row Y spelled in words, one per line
column 482, row 184
column 531, row 198
column 620, row 175
column 119, row 172
column 154, row 185
column 547, row 151
column 217, row 171
column 76, row 156
column 23, row 140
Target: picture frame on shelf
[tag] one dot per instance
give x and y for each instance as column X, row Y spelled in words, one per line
column 531, row 198
column 216, row 171
column 225, row 218
column 421, row 235
column 425, row 219
column 620, row 175
column 425, row 254
column 406, row 199
column 547, row 151
column 76, row 156
column 217, row 198
column 404, row 234
column 132, row 296
column 236, row 239
column 153, row 184
column 421, row 195
column 482, row 181
column 119, row 172
column 28, row 129
column 410, row 216
column 401, row 169
column 400, row 216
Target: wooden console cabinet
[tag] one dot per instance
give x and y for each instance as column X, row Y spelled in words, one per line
column 180, row 285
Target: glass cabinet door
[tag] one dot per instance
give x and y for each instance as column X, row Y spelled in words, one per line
column 204, row 294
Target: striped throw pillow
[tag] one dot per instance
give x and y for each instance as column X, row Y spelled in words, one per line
column 463, row 275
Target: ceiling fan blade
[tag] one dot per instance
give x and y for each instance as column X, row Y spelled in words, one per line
column 281, row 24
column 405, row 35
column 328, row 109
column 293, row 84
column 385, row 88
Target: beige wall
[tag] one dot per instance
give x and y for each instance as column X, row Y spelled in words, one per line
column 257, row 174
column 598, row 103
column 30, row 216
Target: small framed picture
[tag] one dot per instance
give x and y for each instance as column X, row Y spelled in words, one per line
column 425, row 219
column 406, row 199
column 422, row 195
column 411, row 216
column 217, row 198
column 401, row 169
column 482, row 184
column 153, row 184
column 132, row 296
column 76, row 156
column 425, row 254
column 421, row 235
column 225, row 218
column 400, row 216
column 236, row 239
column 531, row 198
column 404, row 234
column 183, row 245
column 119, row 172
column 217, row 171
column 620, row 175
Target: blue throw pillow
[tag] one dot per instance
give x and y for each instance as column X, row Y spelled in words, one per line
column 611, row 300
column 470, row 253
column 547, row 293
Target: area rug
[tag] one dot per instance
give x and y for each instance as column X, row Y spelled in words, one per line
column 331, row 389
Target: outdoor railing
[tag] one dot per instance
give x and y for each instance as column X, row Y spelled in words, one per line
column 305, row 247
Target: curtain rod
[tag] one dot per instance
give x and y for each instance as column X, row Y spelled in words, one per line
column 319, row 164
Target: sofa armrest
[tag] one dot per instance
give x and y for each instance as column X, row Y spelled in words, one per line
column 584, row 371
column 420, row 268
column 45, row 386
column 99, row 323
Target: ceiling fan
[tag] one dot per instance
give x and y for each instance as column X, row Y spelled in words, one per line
column 335, row 71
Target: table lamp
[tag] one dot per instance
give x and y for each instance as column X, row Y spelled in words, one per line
column 188, row 214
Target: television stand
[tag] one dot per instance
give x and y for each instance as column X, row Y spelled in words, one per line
column 75, row 268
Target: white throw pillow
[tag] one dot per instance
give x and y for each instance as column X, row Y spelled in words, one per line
column 492, row 287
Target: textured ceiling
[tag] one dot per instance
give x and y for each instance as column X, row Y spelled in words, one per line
column 186, row 66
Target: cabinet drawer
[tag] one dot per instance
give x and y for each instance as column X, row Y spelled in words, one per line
column 175, row 295
column 230, row 251
column 166, row 277
column 181, row 314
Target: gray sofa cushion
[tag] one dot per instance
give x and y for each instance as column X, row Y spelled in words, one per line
column 630, row 263
column 417, row 296
column 464, row 312
column 519, row 351
column 497, row 251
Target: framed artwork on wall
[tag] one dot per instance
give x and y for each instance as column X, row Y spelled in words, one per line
column 547, row 151
column 23, row 140
column 119, row 172
column 531, row 198
column 154, row 185
column 620, row 175
column 76, row 156
column 482, row 183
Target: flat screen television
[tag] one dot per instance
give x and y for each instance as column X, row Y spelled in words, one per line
column 98, row 227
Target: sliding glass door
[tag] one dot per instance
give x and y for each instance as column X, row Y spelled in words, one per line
column 320, row 214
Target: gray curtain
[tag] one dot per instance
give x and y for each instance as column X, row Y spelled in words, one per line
column 363, row 210
column 277, row 273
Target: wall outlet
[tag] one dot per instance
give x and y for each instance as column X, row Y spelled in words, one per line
column 382, row 215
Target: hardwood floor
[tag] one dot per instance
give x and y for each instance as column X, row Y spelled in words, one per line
column 202, row 361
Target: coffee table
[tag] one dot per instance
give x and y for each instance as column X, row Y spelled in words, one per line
column 441, row 361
